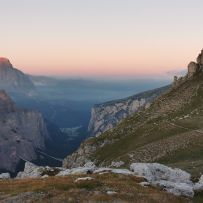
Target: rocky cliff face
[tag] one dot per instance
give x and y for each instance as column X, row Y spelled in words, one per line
column 13, row 80
column 107, row 115
column 22, row 133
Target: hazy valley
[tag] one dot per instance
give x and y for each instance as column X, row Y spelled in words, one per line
column 50, row 118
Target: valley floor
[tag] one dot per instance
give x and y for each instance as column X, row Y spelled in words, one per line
column 102, row 188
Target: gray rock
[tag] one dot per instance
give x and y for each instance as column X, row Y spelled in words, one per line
column 87, row 168
column 122, row 171
column 31, row 171
column 144, row 184
column 155, row 172
column 179, row 189
column 65, row 172
column 81, row 170
column 199, row 185
column 111, row 193
column 175, row 181
column 90, row 165
column 103, row 170
column 117, row 164
column 193, row 68
column 5, row 176
column 83, row 179
column 114, row 170
column 45, row 176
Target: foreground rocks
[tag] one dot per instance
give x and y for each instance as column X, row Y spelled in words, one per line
column 5, row 176
column 175, row 181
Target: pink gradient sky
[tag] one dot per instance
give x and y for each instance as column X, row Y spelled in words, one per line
column 87, row 38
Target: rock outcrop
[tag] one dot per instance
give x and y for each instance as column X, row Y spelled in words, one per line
column 13, row 80
column 155, row 172
column 5, row 176
column 107, row 115
column 193, row 68
column 175, row 181
column 199, row 185
column 172, row 180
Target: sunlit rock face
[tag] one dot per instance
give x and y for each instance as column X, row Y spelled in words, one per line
column 12, row 79
column 4, row 62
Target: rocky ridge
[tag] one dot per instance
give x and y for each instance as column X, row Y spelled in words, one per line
column 12, row 80
column 107, row 115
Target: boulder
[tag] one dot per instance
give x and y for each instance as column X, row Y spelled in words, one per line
column 155, row 172
column 87, row 169
column 103, row 170
column 144, row 184
column 90, row 165
column 175, row 181
column 199, row 185
column 111, row 193
column 178, row 189
column 30, row 171
column 64, row 172
column 122, row 171
column 5, row 176
column 117, row 164
column 81, row 170
column 113, row 170
column 193, row 68
column 83, row 179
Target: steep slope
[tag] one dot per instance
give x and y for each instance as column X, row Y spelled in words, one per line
column 13, row 80
column 170, row 131
column 107, row 115
column 22, row 135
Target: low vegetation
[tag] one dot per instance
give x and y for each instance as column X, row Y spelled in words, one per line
column 103, row 188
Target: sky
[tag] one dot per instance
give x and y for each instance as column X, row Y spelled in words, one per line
column 101, row 37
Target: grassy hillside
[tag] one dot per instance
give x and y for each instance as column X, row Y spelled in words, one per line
column 170, row 131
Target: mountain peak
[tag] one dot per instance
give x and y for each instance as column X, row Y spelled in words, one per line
column 4, row 62
column 4, row 59
column 14, row 80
